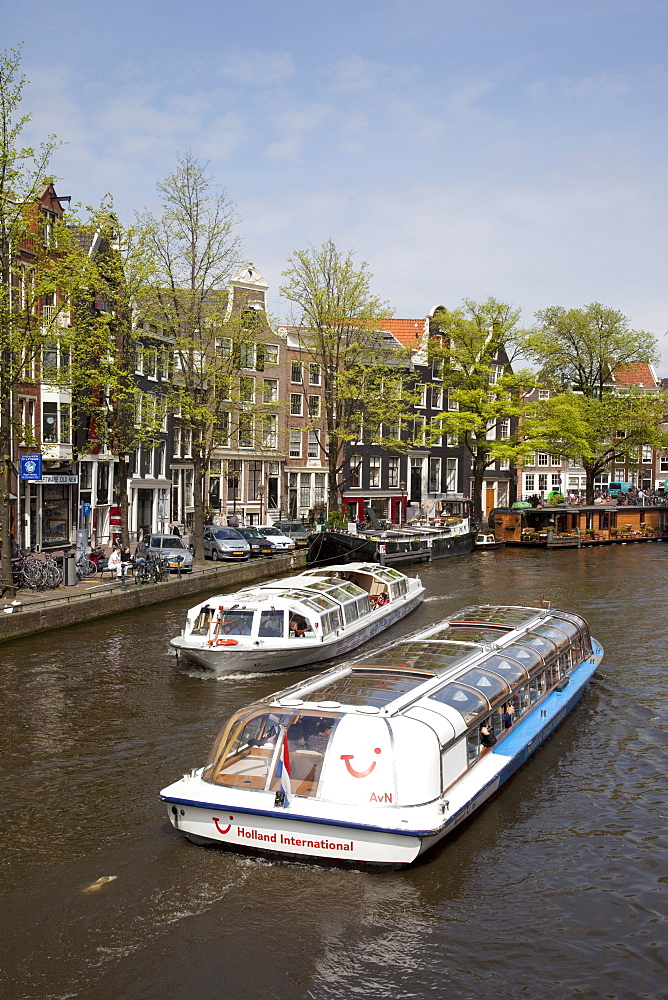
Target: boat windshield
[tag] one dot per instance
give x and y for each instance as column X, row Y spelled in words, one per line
column 247, row 753
column 235, row 623
column 272, row 624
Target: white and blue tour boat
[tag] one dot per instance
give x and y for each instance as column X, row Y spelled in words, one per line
column 379, row 759
column 320, row 614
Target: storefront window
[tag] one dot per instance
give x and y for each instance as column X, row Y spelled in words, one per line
column 55, row 515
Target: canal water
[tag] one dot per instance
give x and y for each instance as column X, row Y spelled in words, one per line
column 555, row 889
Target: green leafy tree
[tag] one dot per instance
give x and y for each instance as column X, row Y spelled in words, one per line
column 194, row 247
column 40, row 270
column 595, row 432
column 365, row 379
column 583, row 349
column 120, row 417
column 470, row 345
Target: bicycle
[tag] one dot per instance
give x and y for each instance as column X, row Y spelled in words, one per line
column 27, row 571
column 86, row 569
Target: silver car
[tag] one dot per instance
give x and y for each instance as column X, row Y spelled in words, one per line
column 225, row 543
column 172, row 550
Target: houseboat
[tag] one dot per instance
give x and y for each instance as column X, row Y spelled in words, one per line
column 563, row 526
column 379, row 759
column 299, row 620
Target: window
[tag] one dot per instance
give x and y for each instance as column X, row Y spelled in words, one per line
column 50, row 422
column 556, row 482
column 504, row 428
column 313, row 444
column 254, row 479
column 164, row 363
column 663, row 462
column 314, row 406
column 451, row 475
column 247, row 355
column 177, row 441
column 452, row 403
column 296, row 372
column 374, row 472
column 296, row 404
column 319, row 487
column 437, row 369
column 542, row 483
column 434, row 475
column 313, row 374
column 27, row 417
column 50, row 355
column 530, row 483
column 504, row 464
column 305, row 489
column 247, row 389
column 223, row 347
column 48, row 225
column 355, row 466
column 647, row 453
column 529, row 460
column 393, row 473
column 555, row 460
column 224, row 420
column 188, row 443
column 418, row 430
column 543, row 458
column 295, row 443
column 151, row 363
column 270, row 431
column 270, row 390
column 496, row 373
column 245, row 430
column 436, row 398
column 423, row 395
column 271, row 354
column 543, row 394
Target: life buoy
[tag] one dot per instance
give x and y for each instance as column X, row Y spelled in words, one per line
column 227, row 642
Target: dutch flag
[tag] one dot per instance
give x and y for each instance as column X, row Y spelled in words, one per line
column 283, row 769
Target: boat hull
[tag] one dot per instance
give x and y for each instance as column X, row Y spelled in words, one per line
column 292, row 831
column 256, row 660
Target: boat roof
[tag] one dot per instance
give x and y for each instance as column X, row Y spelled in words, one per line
column 477, row 653
column 318, row 589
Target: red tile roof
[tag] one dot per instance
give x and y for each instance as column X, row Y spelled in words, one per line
column 638, row 373
column 408, row 332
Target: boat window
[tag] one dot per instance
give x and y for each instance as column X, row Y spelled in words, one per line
column 369, row 686
column 514, row 617
column 331, row 622
column 489, row 684
column 421, row 656
column 318, row 602
column 528, row 658
column 203, row 620
column 243, row 757
column 363, row 606
column 392, row 574
column 467, row 633
column 544, row 646
column 300, row 626
column 272, row 624
column 508, row 669
column 235, row 623
column 350, row 589
column 350, row 612
column 469, row 703
column 580, row 624
column 307, row 738
column 557, row 635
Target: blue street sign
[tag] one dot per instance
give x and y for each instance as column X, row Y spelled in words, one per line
column 31, row 467
column 85, row 509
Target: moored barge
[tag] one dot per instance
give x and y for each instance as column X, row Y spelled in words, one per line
column 379, row 759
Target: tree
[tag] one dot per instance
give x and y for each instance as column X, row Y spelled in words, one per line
column 194, row 247
column 338, row 324
column 40, row 268
column 119, row 416
column 595, row 432
column 583, row 349
column 472, row 345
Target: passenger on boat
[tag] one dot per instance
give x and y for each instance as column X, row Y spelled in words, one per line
column 320, row 738
column 382, row 599
column 487, row 737
column 508, row 716
column 297, row 627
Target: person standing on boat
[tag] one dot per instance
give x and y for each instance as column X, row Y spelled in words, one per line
column 487, row 737
column 508, row 715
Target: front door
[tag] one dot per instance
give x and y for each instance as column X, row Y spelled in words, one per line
column 489, row 499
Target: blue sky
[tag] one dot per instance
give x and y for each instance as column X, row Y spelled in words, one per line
column 464, row 148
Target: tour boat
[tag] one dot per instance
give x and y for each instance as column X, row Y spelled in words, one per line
column 379, row 759
column 299, row 620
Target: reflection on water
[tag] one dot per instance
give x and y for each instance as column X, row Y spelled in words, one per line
column 555, row 889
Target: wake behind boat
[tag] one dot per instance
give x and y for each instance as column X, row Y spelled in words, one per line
column 299, row 620
column 380, row 758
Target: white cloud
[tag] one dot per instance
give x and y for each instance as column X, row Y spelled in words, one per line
column 256, row 69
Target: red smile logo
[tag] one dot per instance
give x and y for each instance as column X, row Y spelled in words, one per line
column 347, row 757
column 219, row 828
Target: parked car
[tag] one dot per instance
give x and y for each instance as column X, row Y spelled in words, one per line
column 259, row 545
column 281, row 542
column 172, row 549
column 225, row 543
column 295, row 530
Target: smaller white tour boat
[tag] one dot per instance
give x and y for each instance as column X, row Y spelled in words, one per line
column 299, row 620
column 487, row 540
column 379, row 759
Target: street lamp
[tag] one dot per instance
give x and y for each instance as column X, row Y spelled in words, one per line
column 402, row 487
